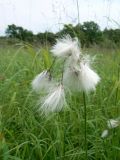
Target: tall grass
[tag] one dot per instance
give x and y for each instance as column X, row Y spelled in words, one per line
column 25, row 135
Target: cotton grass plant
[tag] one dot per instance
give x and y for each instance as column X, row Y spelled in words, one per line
column 77, row 76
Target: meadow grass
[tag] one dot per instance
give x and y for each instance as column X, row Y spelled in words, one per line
column 26, row 135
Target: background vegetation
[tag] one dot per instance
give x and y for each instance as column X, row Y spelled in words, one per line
column 24, row 134
column 89, row 33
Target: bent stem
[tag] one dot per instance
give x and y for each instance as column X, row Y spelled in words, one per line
column 49, row 69
column 85, row 123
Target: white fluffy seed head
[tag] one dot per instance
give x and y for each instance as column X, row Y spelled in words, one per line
column 104, row 133
column 111, row 123
column 80, row 77
column 88, row 78
column 54, row 101
column 71, row 79
column 40, row 81
column 66, row 47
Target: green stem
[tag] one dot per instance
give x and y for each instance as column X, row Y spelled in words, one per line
column 52, row 65
column 85, row 121
column 62, row 71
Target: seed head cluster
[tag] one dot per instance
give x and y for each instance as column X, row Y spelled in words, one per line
column 77, row 76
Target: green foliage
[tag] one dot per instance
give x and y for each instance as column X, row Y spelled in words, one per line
column 46, row 58
column 67, row 29
column 88, row 33
column 113, row 35
column 14, row 31
column 93, row 35
column 26, row 135
column 46, row 38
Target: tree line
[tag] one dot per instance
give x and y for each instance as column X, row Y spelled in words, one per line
column 89, row 33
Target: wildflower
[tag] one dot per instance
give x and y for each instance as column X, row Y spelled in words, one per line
column 40, row 81
column 104, row 134
column 111, row 123
column 54, row 101
column 66, row 47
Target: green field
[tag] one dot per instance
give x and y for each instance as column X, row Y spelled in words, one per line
column 26, row 135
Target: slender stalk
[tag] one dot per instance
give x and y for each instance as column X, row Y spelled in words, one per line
column 52, row 64
column 63, row 152
column 78, row 11
column 85, row 123
column 50, row 68
column 117, row 89
column 62, row 72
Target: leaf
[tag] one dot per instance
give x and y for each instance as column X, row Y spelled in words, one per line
column 30, row 50
column 46, row 58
